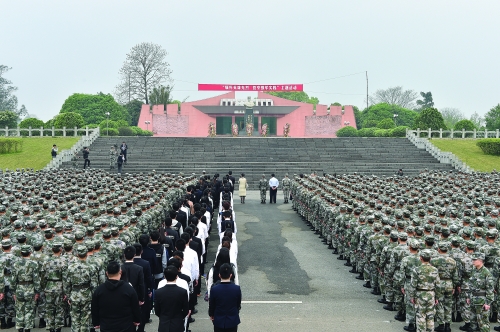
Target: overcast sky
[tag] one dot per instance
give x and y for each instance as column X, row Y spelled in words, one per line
column 451, row 48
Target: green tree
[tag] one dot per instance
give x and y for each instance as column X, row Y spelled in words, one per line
column 464, row 124
column 492, row 118
column 429, row 118
column 33, row 123
column 69, row 120
column 93, row 108
column 8, row 101
column 134, row 110
column 8, row 119
column 374, row 114
column 300, row 96
column 160, row 95
column 426, row 101
column 386, row 124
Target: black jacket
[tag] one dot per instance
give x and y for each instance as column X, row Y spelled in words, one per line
column 146, row 270
column 171, row 306
column 149, row 255
column 133, row 274
column 225, row 304
column 115, row 306
column 182, row 218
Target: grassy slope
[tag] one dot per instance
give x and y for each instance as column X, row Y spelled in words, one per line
column 36, row 152
column 469, row 152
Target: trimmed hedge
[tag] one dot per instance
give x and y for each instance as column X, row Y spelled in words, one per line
column 490, row 146
column 347, row 132
column 372, row 132
column 8, row 145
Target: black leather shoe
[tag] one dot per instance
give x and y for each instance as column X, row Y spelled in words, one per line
column 389, row 307
column 191, row 320
column 439, row 328
column 410, row 327
column 360, row 278
column 496, row 328
column 340, row 258
column 465, row 327
column 41, row 323
column 348, row 263
column 367, row 284
column 382, row 300
column 401, row 316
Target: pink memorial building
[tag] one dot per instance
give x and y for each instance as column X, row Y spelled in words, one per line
column 193, row 119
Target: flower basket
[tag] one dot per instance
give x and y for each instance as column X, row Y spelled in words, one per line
column 234, row 130
column 264, row 130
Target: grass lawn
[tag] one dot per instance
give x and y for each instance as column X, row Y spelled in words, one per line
column 468, row 152
column 36, row 152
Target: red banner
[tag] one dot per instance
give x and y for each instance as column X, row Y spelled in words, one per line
column 251, row 87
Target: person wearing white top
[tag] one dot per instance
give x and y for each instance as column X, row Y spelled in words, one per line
column 190, row 265
column 273, row 189
column 213, row 274
column 233, row 251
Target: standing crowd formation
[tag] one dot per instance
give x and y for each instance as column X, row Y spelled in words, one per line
column 427, row 244
column 94, row 250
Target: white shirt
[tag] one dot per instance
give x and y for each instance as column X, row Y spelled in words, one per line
column 179, row 282
column 273, row 182
column 233, row 254
column 190, row 266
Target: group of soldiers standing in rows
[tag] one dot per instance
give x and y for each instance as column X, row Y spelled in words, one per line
column 60, row 228
column 428, row 244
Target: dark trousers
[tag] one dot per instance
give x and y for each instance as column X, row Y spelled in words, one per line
column 120, row 166
column 232, row 329
column 86, row 162
column 125, row 155
column 145, row 313
column 272, row 195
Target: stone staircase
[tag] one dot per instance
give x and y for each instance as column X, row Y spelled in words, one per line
column 255, row 156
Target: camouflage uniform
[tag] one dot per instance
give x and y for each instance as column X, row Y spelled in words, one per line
column 408, row 266
column 263, row 184
column 25, row 284
column 78, row 283
column 286, row 183
column 425, row 289
column 7, row 261
column 448, row 276
column 52, row 283
column 481, row 293
column 113, row 155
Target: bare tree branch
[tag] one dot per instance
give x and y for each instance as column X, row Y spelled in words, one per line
column 144, row 68
column 395, row 96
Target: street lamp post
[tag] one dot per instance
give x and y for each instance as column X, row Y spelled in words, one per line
column 395, row 116
column 107, row 123
column 147, row 124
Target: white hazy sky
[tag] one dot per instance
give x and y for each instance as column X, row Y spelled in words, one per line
column 451, row 48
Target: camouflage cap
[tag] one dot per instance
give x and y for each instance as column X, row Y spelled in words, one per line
column 426, row 253
column 57, row 245
column 377, row 226
column 414, row 244
column 394, row 235
column 444, row 245
column 479, row 231
column 89, row 244
column 25, row 249
column 456, row 241
column 470, row 244
column 478, row 255
column 81, row 250
column 106, row 232
column 445, row 231
column 403, row 236
column 79, row 235
column 6, row 243
column 492, row 233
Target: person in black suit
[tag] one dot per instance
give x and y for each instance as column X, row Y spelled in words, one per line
column 181, row 215
column 149, row 255
column 233, row 180
column 148, row 282
column 133, row 273
column 115, row 306
column 171, row 304
column 225, row 302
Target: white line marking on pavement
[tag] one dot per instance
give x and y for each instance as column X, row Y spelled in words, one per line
column 272, row 302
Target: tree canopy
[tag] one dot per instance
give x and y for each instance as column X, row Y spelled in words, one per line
column 374, row 114
column 8, row 101
column 160, row 95
column 134, row 110
column 468, row 125
column 69, row 120
column 492, row 118
column 429, row 118
column 93, row 108
column 144, row 68
column 300, row 96
column 8, row 119
column 426, row 101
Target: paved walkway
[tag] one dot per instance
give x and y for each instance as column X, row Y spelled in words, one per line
column 280, row 259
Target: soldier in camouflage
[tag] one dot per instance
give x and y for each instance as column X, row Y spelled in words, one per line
column 52, row 283
column 26, row 289
column 481, row 285
column 286, row 183
column 263, row 184
column 424, row 292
